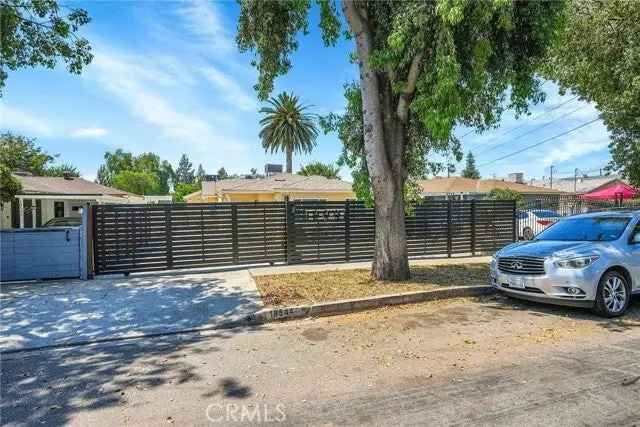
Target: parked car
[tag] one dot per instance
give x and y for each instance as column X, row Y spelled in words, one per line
column 590, row 260
column 65, row 221
column 532, row 222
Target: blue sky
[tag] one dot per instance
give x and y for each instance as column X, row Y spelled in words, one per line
column 167, row 77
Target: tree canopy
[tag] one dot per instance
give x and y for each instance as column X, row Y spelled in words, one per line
column 508, row 194
column 118, row 162
column 184, row 171
column 200, row 174
column 20, row 153
column 41, row 33
column 425, row 67
column 181, row 190
column 137, row 182
column 598, row 57
column 222, row 173
column 470, row 170
column 327, row 170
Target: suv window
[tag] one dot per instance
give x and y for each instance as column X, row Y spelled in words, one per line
column 635, row 236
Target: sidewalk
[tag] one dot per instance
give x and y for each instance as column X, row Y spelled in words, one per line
column 308, row 268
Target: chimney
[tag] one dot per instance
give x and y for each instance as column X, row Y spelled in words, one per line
column 517, row 177
column 67, row 175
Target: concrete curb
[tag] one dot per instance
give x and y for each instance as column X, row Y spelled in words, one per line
column 353, row 305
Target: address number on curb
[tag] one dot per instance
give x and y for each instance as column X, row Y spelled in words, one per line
column 283, row 313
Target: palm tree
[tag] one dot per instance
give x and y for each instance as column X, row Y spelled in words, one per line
column 286, row 126
column 327, row 170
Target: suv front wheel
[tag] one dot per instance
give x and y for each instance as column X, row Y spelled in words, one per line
column 613, row 296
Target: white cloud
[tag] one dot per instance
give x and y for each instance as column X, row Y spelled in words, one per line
column 140, row 87
column 14, row 119
column 204, row 19
column 229, row 89
column 88, row 133
column 574, row 148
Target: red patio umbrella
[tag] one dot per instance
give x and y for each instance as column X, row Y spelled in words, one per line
column 620, row 191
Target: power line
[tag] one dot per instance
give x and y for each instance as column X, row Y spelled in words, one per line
column 583, row 172
column 544, row 113
column 544, row 141
column 531, row 131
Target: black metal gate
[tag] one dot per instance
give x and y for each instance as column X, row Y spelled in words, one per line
column 130, row 238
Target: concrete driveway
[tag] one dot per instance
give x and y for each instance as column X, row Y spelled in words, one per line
column 42, row 314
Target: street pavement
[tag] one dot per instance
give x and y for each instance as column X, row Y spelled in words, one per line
column 488, row 361
column 41, row 314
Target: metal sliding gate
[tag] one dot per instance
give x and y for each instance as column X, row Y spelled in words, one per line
column 130, row 238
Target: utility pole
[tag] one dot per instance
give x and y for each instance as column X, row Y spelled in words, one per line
column 575, row 181
column 551, row 178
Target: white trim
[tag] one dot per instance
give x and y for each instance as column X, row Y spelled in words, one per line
column 33, row 213
column 21, row 212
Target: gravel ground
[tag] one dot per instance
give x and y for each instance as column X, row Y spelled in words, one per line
column 488, row 361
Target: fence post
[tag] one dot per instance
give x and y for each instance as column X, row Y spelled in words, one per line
column 91, row 241
column 449, row 244
column 234, row 233
column 347, row 232
column 168, row 237
column 514, row 236
column 84, row 244
column 290, row 230
column 473, row 227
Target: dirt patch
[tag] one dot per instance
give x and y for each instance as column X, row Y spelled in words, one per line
column 315, row 334
column 316, row 287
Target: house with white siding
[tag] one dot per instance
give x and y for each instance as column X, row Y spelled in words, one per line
column 43, row 198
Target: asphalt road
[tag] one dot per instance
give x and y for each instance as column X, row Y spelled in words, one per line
column 492, row 361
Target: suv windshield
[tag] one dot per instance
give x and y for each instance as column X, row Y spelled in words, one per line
column 595, row 229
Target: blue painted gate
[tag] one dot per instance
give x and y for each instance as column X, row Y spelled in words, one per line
column 45, row 253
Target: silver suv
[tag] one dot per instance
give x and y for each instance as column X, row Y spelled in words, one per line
column 590, row 260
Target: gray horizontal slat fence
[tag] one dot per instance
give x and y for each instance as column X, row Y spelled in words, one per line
column 40, row 253
column 131, row 238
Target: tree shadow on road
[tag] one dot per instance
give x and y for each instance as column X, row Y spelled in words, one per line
column 49, row 387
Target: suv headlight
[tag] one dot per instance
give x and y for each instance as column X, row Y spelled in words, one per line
column 576, row 263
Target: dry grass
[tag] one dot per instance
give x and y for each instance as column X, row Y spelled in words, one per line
column 310, row 288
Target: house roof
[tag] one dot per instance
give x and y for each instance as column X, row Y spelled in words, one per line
column 67, row 186
column 581, row 184
column 276, row 183
column 458, row 184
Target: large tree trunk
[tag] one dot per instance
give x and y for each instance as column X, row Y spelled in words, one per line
column 391, row 259
column 289, row 151
column 384, row 145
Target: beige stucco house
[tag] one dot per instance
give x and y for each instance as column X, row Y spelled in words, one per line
column 272, row 189
column 466, row 188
